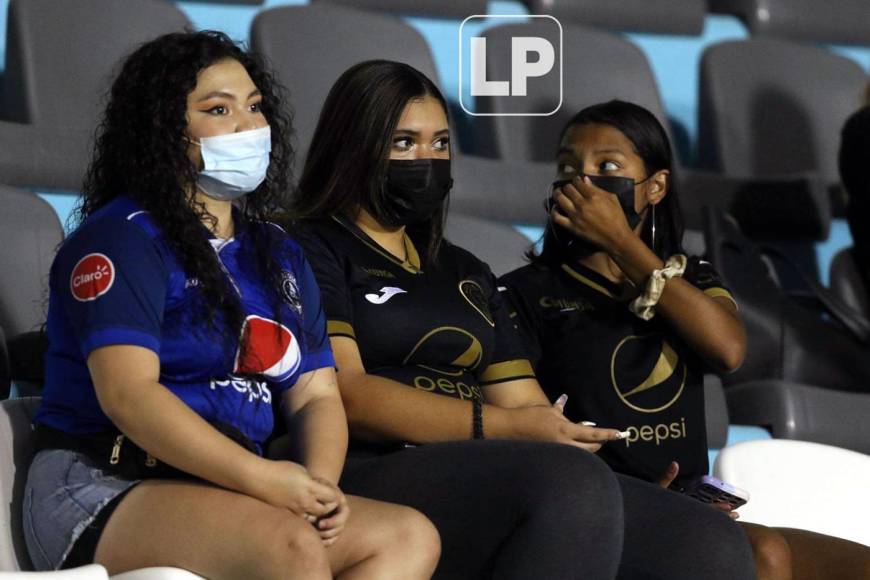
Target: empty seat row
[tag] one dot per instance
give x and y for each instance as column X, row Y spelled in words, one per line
column 834, row 21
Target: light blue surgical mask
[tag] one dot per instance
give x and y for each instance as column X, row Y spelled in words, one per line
column 234, row 164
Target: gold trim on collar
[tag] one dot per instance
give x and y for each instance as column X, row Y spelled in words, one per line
column 583, row 279
column 412, row 264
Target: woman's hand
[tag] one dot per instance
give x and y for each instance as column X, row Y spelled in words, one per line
column 547, row 423
column 590, row 212
column 330, row 526
column 289, row 485
column 670, row 475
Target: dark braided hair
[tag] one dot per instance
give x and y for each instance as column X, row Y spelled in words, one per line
column 140, row 151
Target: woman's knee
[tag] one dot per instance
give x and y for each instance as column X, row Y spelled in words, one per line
column 286, row 542
column 771, row 552
column 416, row 539
column 565, row 471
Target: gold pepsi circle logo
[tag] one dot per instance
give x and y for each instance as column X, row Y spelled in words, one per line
column 445, row 349
column 647, row 373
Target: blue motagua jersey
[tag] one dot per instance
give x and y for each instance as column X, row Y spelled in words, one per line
column 116, row 281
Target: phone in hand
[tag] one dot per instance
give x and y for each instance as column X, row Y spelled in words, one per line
column 709, row 489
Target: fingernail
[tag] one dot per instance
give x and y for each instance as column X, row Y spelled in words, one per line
column 622, row 434
column 563, row 398
column 588, row 423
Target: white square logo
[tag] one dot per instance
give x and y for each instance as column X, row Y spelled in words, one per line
column 511, row 72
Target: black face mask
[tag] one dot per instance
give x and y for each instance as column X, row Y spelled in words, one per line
column 621, row 187
column 415, row 190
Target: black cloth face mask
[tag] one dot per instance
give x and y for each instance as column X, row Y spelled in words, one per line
column 416, row 188
column 621, row 187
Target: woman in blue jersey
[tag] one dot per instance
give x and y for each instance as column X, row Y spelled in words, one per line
column 177, row 319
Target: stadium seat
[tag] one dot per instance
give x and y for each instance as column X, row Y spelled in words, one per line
column 834, row 21
column 586, row 52
column 801, row 485
column 657, row 16
column 787, row 339
column 310, row 46
column 433, row 8
column 16, row 452
column 29, row 235
column 847, row 282
column 90, row 572
column 497, row 244
column 803, row 412
column 771, row 107
column 60, row 57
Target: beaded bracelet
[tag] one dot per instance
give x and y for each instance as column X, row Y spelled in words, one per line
column 644, row 305
column 477, row 418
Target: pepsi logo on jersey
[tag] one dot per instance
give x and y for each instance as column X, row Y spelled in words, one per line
column 270, row 349
column 92, row 277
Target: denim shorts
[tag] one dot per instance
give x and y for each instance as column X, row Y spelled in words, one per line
column 63, row 495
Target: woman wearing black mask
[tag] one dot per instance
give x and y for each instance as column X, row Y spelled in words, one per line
column 428, row 359
column 625, row 326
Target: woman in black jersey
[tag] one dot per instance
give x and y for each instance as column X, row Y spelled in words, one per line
column 428, row 359
column 624, row 324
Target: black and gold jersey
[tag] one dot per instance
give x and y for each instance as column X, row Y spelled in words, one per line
column 440, row 328
column 618, row 371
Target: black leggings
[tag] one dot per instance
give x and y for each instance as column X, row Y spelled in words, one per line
column 523, row 510
column 505, row 509
column 670, row 535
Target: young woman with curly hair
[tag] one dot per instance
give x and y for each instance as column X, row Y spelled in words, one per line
column 177, row 317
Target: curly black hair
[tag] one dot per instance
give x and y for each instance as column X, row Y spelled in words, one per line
column 140, row 151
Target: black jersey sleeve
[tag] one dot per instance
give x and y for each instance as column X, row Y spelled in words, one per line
column 703, row 276
column 521, row 298
column 329, row 268
column 510, row 359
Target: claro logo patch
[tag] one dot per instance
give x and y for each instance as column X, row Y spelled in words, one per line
column 92, row 277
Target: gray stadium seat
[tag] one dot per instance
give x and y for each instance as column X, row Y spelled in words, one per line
column 310, row 46
column 60, row 57
column 715, row 412
column 499, row 245
column 847, row 282
column 458, row 9
column 586, row 53
column 16, row 451
column 658, row 16
column 29, row 235
column 770, row 107
column 808, row 413
column 834, row 21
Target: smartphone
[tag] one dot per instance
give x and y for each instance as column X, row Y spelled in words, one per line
column 709, row 489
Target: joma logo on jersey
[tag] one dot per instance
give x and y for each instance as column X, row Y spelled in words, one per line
column 384, row 294
column 91, row 277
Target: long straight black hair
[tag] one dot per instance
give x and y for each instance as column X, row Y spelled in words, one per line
column 653, row 147
column 347, row 163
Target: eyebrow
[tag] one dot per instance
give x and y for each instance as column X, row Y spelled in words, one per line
column 225, row 95
column 417, row 133
column 568, row 151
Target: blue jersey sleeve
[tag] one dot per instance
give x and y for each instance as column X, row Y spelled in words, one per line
column 317, row 352
column 110, row 279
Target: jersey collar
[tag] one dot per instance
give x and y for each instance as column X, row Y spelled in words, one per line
column 594, row 280
column 412, row 264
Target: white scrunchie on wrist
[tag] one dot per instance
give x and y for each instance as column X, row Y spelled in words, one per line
column 644, row 306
